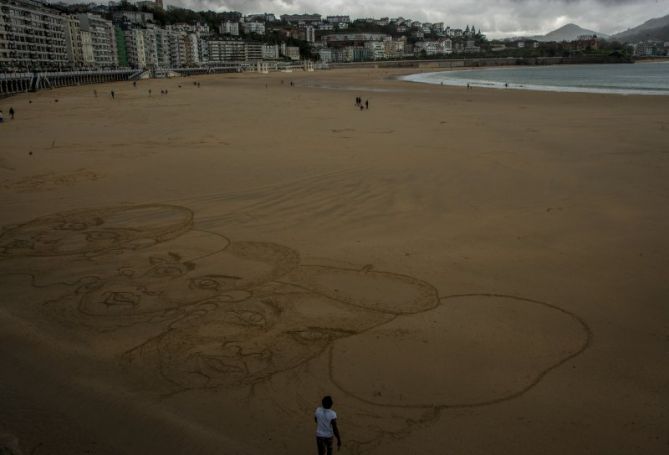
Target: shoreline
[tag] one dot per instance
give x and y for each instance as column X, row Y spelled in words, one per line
column 423, row 78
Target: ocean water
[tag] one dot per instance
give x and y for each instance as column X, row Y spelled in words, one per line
column 625, row 79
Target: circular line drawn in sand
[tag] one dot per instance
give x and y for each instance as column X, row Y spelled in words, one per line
column 474, row 350
column 91, row 231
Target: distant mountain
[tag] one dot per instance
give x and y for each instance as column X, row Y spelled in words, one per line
column 655, row 30
column 569, row 32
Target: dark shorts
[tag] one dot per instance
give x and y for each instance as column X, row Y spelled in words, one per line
column 324, row 445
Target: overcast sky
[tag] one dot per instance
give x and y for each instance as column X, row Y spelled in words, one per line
column 497, row 18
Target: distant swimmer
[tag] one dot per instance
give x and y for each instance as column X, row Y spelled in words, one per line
column 326, row 427
column 11, row 113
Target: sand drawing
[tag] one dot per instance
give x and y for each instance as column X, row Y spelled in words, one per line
column 217, row 314
column 85, row 232
column 45, row 182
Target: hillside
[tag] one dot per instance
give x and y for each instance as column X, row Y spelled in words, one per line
column 569, row 32
column 654, row 29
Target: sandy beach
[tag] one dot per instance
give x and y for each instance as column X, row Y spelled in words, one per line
column 464, row 271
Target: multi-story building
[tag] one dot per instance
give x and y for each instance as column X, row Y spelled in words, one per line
column 133, row 17
column 270, row 51
column 32, row 36
column 351, row 38
column 163, row 51
column 254, row 27
column 375, row 49
column 226, row 51
column 292, row 52
column 229, row 28
column 309, row 34
column 302, row 19
column 325, row 54
column 338, row 19
column 150, row 47
column 134, row 46
column 75, row 43
column 102, row 37
column 394, row 48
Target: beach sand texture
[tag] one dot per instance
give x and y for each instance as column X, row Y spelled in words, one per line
column 464, row 271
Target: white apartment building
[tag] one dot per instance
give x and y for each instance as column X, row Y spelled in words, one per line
column 310, row 34
column 103, row 39
column 134, row 46
column 394, row 48
column 254, row 27
column 75, row 44
column 325, row 54
column 150, row 47
column 338, row 19
column 134, row 17
column 163, row 51
column 229, row 28
column 270, row 52
column 376, row 49
column 292, row 52
column 226, row 51
column 31, row 36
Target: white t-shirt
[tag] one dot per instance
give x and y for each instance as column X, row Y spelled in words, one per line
column 324, row 418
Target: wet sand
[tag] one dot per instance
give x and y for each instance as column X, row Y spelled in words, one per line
column 464, row 271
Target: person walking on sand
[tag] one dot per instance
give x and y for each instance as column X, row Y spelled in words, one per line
column 11, row 113
column 326, row 427
column 112, row 94
column 366, row 104
column 1, row 117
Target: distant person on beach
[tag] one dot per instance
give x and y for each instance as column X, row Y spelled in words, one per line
column 366, row 104
column 134, row 83
column 95, row 92
column 11, row 113
column 326, row 427
column 149, row 92
column 112, row 94
column 1, row 119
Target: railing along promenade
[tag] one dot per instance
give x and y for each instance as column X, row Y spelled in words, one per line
column 19, row 82
column 13, row 83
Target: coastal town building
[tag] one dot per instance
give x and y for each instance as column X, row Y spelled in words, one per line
column 37, row 36
column 338, row 19
column 254, row 27
column 301, row 19
column 102, row 37
column 229, row 28
column 32, row 36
